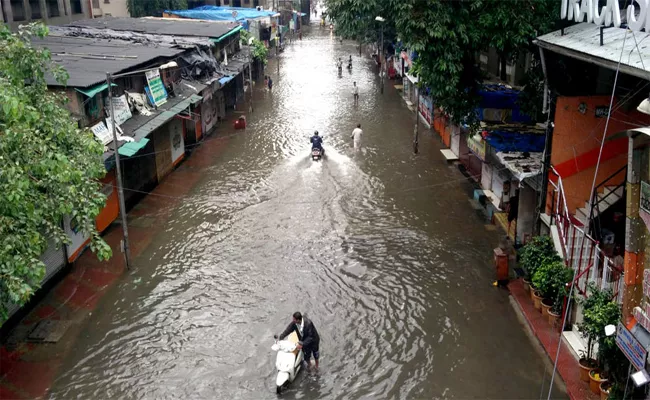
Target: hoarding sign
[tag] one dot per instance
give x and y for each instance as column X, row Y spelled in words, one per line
column 157, row 90
column 425, row 108
column 121, row 109
column 631, row 347
column 476, row 145
column 102, row 133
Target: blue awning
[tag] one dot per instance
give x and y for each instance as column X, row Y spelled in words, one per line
column 92, row 91
column 225, row 79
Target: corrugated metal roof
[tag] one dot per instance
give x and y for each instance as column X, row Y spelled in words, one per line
column 582, row 41
column 88, row 60
column 168, row 26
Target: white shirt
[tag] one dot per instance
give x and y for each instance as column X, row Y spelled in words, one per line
column 355, row 90
column 356, row 134
column 301, row 326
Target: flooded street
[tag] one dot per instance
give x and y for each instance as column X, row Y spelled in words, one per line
column 380, row 248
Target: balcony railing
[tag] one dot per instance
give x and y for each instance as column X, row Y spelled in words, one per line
column 581, row 252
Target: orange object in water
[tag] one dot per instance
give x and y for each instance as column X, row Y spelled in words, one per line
column 501, row 264
column 240, row 123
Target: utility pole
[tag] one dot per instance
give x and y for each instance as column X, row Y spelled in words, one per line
column 415, row 128
column 118, row 168
column 381, row 53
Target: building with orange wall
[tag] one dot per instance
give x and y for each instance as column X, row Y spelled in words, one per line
column 599, row 161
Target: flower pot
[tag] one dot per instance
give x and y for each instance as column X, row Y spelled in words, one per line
column 554, row 319
column 585, row 367
column 526, row 285
column 595, row 380
column 604, row 390
column 537, row 301
column 546, row 306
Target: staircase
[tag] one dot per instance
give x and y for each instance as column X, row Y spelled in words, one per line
column 605, row 199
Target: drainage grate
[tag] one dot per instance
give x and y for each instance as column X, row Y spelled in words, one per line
column 48, row 331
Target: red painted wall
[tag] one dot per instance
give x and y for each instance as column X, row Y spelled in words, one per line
column 576, row 144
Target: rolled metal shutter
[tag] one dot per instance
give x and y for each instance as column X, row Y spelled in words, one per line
column 54, row 259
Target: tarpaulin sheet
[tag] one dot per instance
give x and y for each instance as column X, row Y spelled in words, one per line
column 216, row 13
column 503, row 141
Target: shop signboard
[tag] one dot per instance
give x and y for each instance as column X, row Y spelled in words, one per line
column 121, row 109
column 156, row 88
column 425, row 108
column 609, row 14
column 102, row 133
column 476, row 145
column 176, row 140
column 630, row 346
column 642, row 314
column 77, row 238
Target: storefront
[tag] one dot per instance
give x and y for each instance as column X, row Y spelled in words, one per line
column 473, row 155
column 425, row 108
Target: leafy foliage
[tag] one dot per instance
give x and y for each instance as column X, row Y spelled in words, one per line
column 598, row 311
column 447, row 35
column 48, row 167
column 260, row 52
column 551, row 279
column 539, row 251
column 153, row 8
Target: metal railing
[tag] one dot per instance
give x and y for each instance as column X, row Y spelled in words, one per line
column 594, row 212
column 581, row 251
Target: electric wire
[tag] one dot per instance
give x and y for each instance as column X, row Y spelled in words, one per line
column 584, row 234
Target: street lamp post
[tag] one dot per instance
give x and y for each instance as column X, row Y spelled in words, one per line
column 118, row 169
column 381, row 54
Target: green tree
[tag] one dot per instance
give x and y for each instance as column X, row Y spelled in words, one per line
column 154, row 8
column 355, row 19
column 447, row 36
column 48, row 167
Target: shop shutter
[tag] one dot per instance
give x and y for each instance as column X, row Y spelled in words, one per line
column 54, row 259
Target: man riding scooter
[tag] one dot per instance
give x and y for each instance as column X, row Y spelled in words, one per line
column 317, row 143
column 307, row 334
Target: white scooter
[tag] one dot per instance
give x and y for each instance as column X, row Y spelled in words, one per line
column 288, row 361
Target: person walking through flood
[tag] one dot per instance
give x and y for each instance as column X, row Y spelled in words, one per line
column 356, row 137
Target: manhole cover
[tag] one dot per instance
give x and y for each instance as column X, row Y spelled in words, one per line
column 48, row 331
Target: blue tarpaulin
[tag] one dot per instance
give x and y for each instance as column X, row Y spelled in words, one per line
column 515, row 141
column 225, row 79
column 501, row 97
column 216, row 13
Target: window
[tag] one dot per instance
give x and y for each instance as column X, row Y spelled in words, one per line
column 52, row 8
column 247, row 1
column 18, row 10
column 226, row 2
column 95, row 3
column 35, row 5
column 92, row 108
column 76, row 6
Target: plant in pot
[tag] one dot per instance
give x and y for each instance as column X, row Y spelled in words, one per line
column 539, row 251
column 598, row 311
column 550, row 280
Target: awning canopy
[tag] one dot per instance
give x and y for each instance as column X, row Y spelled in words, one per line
column 232, row 32
column 130, row 148
column 92, row 91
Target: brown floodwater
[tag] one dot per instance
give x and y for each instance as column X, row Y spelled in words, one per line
column 380, row 248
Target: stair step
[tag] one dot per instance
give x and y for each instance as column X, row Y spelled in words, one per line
column 618, row 192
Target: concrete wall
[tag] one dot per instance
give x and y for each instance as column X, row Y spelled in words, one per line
column 51, row 12
column 115, row 8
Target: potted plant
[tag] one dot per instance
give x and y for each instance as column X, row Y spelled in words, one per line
column 550, row 279
column 596, row 378
column 598, row 311
column 555, row 312
column 539, row 251
column 605, row 388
